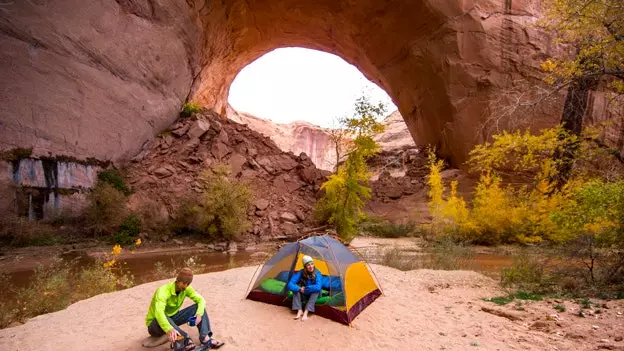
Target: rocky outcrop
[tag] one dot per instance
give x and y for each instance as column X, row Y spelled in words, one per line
column 284, row 186
column 314, row 141
column 396, row 135
column 296, row 137
column 100, row 79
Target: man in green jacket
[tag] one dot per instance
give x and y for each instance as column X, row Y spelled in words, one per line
column 164, row 317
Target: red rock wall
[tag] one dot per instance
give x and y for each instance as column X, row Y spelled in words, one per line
column 99, row 79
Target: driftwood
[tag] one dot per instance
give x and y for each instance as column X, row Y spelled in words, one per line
column 510, row 316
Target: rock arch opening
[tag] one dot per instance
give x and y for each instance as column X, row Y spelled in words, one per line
column 297, row 84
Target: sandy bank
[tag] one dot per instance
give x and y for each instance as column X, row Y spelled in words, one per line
column 421, row 310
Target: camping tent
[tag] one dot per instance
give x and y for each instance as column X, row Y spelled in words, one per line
column 348, row 286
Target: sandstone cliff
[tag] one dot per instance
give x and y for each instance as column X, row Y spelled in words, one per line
column 99, row 79
column 314, row 141
column 296, row 137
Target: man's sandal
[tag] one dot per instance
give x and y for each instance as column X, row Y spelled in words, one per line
column 213, row 344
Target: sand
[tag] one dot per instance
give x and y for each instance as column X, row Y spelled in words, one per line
column 420, row 310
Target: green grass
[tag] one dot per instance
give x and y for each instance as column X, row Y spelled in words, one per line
column 560, row 308
column 523, row 295
column 189, row 108
column 500, row 300
column 520, row 295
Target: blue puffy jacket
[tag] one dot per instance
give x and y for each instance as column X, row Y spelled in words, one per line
column 310, row 286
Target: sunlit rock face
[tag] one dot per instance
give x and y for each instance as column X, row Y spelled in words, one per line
column 314, row 141
column 296, row 137
column 99, row 79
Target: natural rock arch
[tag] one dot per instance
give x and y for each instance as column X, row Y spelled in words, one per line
column 99, row 79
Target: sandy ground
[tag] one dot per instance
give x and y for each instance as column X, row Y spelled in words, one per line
column 421, row 310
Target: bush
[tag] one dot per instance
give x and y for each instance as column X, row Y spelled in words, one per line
column 443, row 255
column 49, row 291
column 99, row 278
column 220, row 212
column 526, row 273
column 113, row 177
column 449, row 255
column 385, row 229
column 399, row 259
column 154, row 218
column 128, row 230
column 189, row 108
column 107, row 209
column 19, row 231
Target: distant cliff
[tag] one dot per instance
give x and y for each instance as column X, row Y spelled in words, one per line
column 300, row 136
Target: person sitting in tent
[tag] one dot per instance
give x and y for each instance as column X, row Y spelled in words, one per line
column 163, row 316
column 305, row 283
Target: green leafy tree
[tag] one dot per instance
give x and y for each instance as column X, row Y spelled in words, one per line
column 347, row 189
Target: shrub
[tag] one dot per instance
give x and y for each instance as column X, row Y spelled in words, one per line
column 190, row 108
column 19, row 231
column 48, row 291
column 97, row 279
column 526, row 274
column 107, row 209
column 385, row 229
column 154, row 218
column 221, row 211
column 113, row 177
column 593, row 225
column 128, row 230
column 447, row 254
column 399, row 259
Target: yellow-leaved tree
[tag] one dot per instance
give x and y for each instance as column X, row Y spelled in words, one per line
column 347, row 189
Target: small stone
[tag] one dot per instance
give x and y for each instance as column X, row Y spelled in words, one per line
column 289, row 217
column 595, row 327
column 618, row 338
column 164, row 238
column 261, row 204
column 300, row 214
column 181, row 131
column 289, row 228
column 442, row 333
column 162, row 172
column 260, row 213
column 178, row 241
column 233, row 247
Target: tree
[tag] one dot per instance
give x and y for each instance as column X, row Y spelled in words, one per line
column 339, row 138
column 594, row 29
column 347, row 189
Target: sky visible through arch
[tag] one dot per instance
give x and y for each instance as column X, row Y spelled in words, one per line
column 291, row 84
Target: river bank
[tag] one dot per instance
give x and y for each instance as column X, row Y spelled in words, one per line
column 422, row 309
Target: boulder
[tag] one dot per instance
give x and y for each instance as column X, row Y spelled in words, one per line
column 236, row 162
column 289, row 217
column 198, row 128
column 219, row 150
